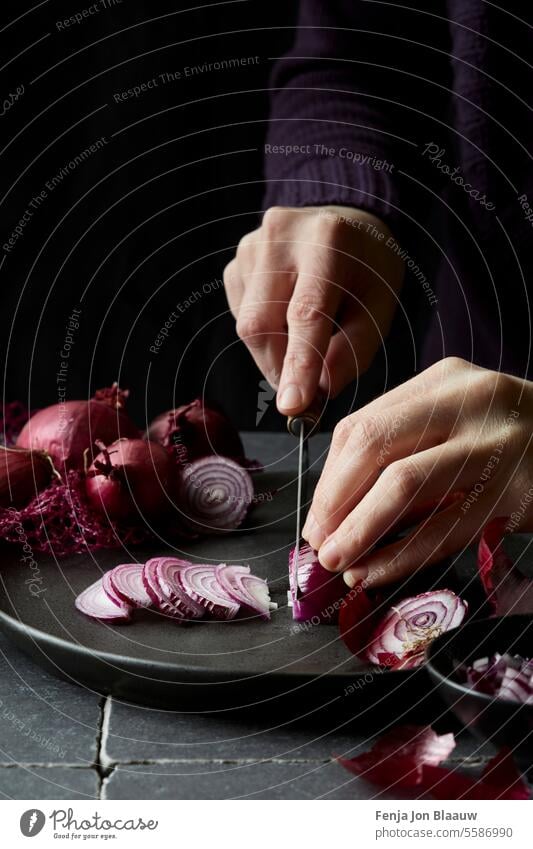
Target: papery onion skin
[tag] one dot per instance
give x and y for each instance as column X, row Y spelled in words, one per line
column 66, row 431
column 130, row 478
column 23, row 474
column 196, row 430
column 401, row 634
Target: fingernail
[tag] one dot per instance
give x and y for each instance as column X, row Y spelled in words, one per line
column 317, row 536
column 309, row 526
column 354, row 576
column 329, row 554
column 290, row 398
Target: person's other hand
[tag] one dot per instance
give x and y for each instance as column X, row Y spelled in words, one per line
column 314, row 292
column 453, row 445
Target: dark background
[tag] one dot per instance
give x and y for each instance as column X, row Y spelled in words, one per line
column 152, row 216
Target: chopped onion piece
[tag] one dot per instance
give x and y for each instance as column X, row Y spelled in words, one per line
column 159, row 578
column 248, row 590
column 316, row 593
column 215, row 494
column 201, row 584
column 126, row 582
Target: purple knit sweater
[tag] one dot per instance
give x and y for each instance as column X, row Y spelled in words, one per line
column 421, row 115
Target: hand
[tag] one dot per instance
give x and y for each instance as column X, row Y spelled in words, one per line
column 457, row 437
column 314, row 291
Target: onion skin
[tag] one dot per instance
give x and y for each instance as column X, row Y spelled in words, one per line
column 130, row 478
column 22, row 475
column 196, row 430
column 66, row 431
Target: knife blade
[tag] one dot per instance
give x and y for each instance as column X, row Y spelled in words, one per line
column 302, row 426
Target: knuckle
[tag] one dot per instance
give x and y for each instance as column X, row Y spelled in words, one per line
column 301, row 360
column 305, row 310
column 366, row 433
column 403, row 478
column 251, row 325
column 274, row 221
column 342, row 432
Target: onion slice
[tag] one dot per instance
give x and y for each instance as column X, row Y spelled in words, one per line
column 126, row 582
column 166, row 594
column 215, row 494
column 95, row 602
column 246, row 589
column 503, row 676
column 316, row 593
column 201, row 584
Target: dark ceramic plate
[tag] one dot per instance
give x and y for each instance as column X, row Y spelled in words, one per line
column 202, row 666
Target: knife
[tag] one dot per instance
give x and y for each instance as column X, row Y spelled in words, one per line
column 302, row 426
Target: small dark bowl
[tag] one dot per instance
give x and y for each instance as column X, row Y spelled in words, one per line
column 501, row 721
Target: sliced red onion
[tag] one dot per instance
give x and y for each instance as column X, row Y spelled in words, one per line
column 126, row 582
column 316, row 593
column 159, row 578
column 412, row 624
column 248, row 590
column 95, row 602
column 503, row 676
column 215, row 494
column 201, row 584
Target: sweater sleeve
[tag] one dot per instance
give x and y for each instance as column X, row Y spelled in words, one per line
column 348, row 103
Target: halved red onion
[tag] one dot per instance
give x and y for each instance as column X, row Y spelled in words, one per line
column 95, row 602
column 246, row 589
column 162, row 585
column 315, row 592
column 412, row 624
column 126, row 582
column 503, row 676
column 215, row 494
column 201, row 584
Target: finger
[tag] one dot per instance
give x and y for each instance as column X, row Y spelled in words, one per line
column 310, row 320
column 431, row 474
column 233, row 286
column 261, row 321
column 440, row 536
column 361, row 333
column 374, row 443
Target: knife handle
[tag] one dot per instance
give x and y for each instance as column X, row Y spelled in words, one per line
column 310, row 417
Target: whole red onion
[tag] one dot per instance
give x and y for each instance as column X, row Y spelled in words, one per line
column 65, row 431
column 195, row 430
column 22, row 475
column 130, row 478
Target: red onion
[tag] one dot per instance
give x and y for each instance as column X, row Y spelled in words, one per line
column 247, row 590
column 196, row 430
column 160, row 578
column 125, row 583
column 508, row 591
column 130, row 478
column 410, row 757
column 22, row 475
column 408, row 627
column 315, row 592
column 201, row 584
column 66, row 431
column 504, row 676
column 95, row 602
column 214, row 494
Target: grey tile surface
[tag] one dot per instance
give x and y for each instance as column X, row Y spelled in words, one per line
column 43, row 719
column 230, row 781
column 48, row 783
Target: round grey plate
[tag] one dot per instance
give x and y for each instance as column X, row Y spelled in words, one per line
column 201, row 666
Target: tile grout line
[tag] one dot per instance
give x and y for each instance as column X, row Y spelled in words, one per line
column 102, row 769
